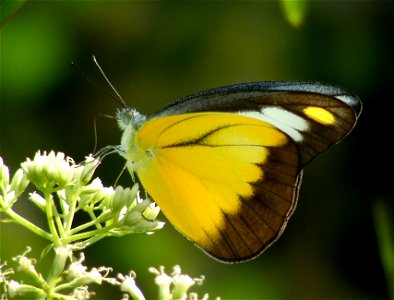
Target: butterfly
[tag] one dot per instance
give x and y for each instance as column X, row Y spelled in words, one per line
column 225, row 165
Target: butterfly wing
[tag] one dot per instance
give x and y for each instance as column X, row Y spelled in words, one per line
column 225, row 165
column 282, row 102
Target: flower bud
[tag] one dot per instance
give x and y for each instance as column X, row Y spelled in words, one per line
column 19, row 182
column 59, row 262
column 90, row 165
column 4, row 176
column 151, row 212
column 17, row 289
column 38, row 200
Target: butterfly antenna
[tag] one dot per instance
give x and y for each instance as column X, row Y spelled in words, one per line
column 114, row 97
column 118, row 98
column 95, row 135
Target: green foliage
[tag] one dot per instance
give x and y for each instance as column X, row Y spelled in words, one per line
column 8, row 9
column 384, row 231
column 295, row 11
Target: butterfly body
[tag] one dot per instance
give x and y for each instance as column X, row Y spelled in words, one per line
column 225, row 165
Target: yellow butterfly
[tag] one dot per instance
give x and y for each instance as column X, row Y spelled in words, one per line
column 225, row 165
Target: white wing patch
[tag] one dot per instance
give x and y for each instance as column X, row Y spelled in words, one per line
column 286, row 121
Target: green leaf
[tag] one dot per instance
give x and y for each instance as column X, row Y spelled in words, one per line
column 383, row 226
column 8, row 9
column 294, row 11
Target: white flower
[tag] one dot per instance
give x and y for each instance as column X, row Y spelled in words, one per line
column 129, row 286
column 163, row 281
column 76, row 269
column 81, row 293
column 49, row 171
column 79, row 273
column 175, row 286
column 13, row 288
column 25, row 263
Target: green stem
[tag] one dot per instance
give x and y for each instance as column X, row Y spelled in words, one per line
column 86, row 235
column 94, row 218
column 101, row 218
column 61, row 296
column 51, row 224
column 38, row 279
column 58, row 221
column 382, row 220
column 91, row 241
column 72, row 284
column 90, row 237
column 70, row 216
column 27, row 224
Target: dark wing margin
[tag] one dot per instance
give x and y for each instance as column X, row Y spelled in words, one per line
column 249, row 96
column 263, row 217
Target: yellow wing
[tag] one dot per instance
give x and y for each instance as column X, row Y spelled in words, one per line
column 227, row 182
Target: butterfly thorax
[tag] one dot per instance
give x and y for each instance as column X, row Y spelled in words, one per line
column 129, row 121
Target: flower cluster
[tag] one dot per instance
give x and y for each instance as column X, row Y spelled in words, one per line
column 62, row 189
column 72, row 285
column 77, row 276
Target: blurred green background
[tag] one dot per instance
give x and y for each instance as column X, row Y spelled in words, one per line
column 155, row 52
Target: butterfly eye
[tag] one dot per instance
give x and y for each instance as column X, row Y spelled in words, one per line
column 129, row 116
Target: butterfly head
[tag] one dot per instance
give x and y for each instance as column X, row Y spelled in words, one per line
column 128, row 116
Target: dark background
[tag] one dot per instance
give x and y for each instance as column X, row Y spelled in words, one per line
column 155, row 52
